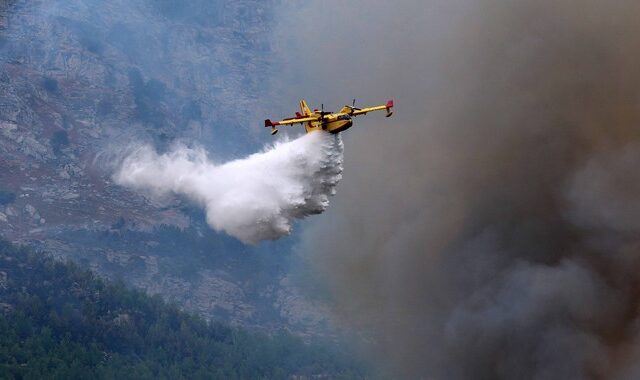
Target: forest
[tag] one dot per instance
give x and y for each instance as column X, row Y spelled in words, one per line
column 60, row 321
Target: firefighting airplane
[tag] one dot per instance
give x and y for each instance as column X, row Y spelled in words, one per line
column 327, row 121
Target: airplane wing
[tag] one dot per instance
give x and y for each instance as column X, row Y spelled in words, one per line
column 294, row 120
column 302, row 120
column 364, row 111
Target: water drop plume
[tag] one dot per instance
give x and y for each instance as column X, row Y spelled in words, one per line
column 255, row 198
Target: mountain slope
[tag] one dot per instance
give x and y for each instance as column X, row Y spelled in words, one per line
column 81, row 79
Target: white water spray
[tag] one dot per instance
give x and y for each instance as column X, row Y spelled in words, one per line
column 255, row 198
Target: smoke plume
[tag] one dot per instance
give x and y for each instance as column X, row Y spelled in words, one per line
column 255, row 198
column 494, row 231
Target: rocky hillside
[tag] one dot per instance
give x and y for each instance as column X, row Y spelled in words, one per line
column 79, row 80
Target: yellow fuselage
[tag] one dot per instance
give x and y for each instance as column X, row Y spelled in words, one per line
column 333, row 123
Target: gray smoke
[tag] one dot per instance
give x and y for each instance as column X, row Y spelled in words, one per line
column 255, row 198
column 490, row 229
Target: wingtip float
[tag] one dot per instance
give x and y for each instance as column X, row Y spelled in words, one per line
column 332, row 122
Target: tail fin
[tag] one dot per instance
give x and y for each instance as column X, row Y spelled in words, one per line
column 304, row 108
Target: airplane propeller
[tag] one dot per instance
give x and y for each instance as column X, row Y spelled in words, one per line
column 323, row 123
column 353, row 106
